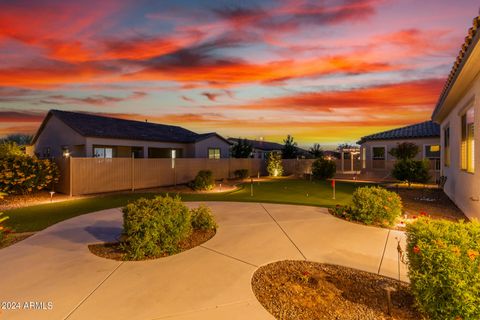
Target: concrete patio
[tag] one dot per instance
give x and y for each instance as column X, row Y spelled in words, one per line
column 211, row 281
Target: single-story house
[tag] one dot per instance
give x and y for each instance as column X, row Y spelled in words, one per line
column 260, row 148
column 78, row 134
column 457, row 112
column 376, row 160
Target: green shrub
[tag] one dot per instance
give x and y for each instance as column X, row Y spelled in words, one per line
column 202, row 218
column 24, row 174
column 376, row 205
column 411, row 171
column 241, row 173
column 274, row 164
column 444, row 268
column 154, row 227
column 203, row 181
column 323, row 169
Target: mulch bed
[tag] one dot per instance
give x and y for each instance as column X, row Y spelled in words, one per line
column 113, row 250
column 13, row 238
column 432, row 201
column 302, row 290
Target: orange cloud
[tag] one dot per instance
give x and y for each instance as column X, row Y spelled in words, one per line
column 227, row 73
column 377, row 98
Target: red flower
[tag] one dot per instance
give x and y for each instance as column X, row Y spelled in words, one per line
column 416, row 250
column 423, row 213
column 414, row 217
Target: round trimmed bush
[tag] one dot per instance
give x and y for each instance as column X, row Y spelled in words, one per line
column 376, row 205
column 154, row 227
column 203, row 181
column 202, row 218
column 241, row 173
column 323, row 169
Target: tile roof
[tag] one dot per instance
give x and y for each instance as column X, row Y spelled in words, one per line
column 427, row 129
column 467, row 47
column 89, row 125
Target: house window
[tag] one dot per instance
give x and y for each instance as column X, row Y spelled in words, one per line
column 432, row 153
column 378, row 153
column 101, row 152
column 378, row 158
column 213, row 153
column 468, row 141
column 446, row 146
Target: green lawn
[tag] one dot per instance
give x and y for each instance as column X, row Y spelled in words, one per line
column 316, row 193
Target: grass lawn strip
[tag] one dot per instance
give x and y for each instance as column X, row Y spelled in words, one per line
column 286, row 191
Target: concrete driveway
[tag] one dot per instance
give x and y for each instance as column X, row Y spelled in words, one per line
column 56, row 277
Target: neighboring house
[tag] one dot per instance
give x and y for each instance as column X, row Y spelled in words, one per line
column 457, row 111
column 376, row 160
column 76, row 134
column 260, row 148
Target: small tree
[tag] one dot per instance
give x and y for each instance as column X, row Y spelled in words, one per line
column 290, row 150
column 323, row 169
column 411, row 171
column 11, row 149
column 241, row 149
column 274, row 164
column 405, row 151
column 19, row 138
column 316, row 151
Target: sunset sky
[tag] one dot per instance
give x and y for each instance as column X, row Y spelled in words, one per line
column 322, row 71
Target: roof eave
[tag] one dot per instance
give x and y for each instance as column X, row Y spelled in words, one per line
column 442, row 109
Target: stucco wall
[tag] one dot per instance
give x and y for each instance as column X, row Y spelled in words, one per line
column 201, row 147
column 130, row 143
column 56, row 134
column 462, row 187
column 390, row 144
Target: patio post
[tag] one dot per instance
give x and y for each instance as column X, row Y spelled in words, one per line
column 351, row 161
column 343, row 162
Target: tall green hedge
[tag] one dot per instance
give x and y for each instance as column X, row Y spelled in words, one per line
column 444, row 268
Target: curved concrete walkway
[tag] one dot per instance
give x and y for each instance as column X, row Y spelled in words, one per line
column 211, row 281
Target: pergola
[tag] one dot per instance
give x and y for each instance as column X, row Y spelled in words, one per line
column 352, row 151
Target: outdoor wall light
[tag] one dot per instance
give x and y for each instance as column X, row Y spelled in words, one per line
column 66, row 152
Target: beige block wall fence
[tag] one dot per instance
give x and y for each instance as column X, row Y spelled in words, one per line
column 81, row 176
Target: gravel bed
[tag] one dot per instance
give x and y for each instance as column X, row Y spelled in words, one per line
column 303, row 290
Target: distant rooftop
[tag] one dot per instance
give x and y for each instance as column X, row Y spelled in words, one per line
column 427, row 129
column 260, row 144
column 90, row 125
